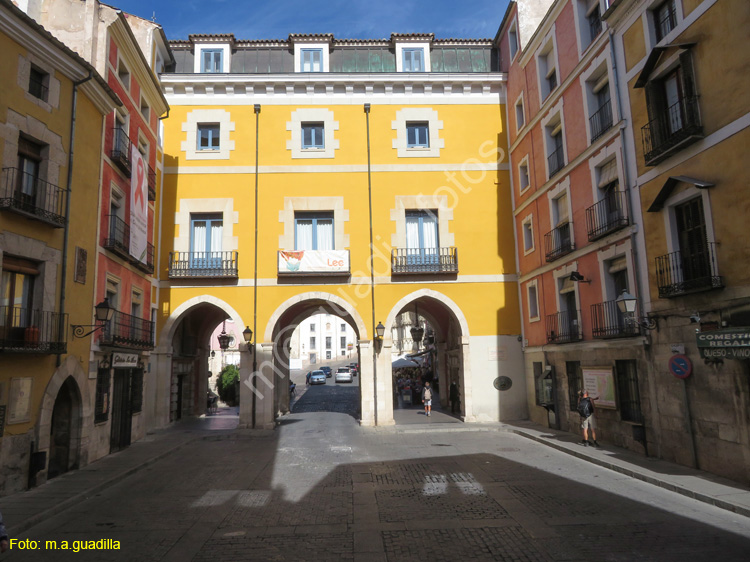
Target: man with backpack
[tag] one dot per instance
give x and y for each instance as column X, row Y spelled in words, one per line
column 586, row 410
column 427, row 398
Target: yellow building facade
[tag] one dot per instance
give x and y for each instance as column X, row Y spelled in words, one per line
column 680, row 79
column 48, row 192
column 379, row 177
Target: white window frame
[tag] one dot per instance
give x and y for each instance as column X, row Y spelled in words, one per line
column 545, row 53
column 590, row 80
column 562, row 188
column 292, row 205
column 417, row 114
column 423, row 203
column 325, row 60
column 524, row 163
column 612, row 151
column 549, row 125
column 519, row 105
column 561, row 274
column 121, row 66
column 533, row 284
column 226, row 53
column 199, row 116
column 187, row 208
column 401, row 45
column 670, row 222
column 312, row 115
column 527, row 224
column 582, row 9
column 316, row 145
column 514, row 45
column 604, row 258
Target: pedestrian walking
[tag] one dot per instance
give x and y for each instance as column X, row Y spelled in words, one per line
column 3, row 536
column 586, row 410
column 427, row 398
column 454, row 397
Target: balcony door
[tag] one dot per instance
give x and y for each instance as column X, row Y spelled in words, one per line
column 422, row 244
column 16, row 298
column 673, row 98
column 205, row 241
column 691, row 231
column 313, row 231
column 29, row 160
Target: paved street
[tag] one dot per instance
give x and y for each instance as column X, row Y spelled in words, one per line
column 322, row 488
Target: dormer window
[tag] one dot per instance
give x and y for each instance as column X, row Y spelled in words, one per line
column 212, row 61
column 311, row 60
column 413, row 60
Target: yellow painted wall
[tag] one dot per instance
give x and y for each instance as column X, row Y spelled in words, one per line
column 481, row 224
column 634, row 44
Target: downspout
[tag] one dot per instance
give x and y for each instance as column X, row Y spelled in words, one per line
column 629, row 200
column 256, row 108
column 372, row 269
column 66, row 230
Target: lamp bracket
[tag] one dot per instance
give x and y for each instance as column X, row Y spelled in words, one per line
column 79, row 329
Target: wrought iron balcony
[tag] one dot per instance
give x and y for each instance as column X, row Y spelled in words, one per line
column 601, row 121
column 118, row 239
column 120, row 153
column 681, row 273
column 424, row 260
column 606, row 216
column 677, row 127
column 564, row 327
column 557, row 243
column 147, row 267
column 556, row 161
column 30, row 196
column 202, row 264
column 608, row 322
column 23, row 330
column 128, row 331
column 151, row 184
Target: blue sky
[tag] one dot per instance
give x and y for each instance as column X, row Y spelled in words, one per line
column 360, row 19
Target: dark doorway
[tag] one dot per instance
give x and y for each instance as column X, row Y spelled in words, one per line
column 61, row 432
column 121, row 415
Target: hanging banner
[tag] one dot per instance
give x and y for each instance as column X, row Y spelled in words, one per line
column 138, row 206
column 314, row 261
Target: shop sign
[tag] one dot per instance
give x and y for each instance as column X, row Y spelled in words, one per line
column 124, row 360
column 724, row 344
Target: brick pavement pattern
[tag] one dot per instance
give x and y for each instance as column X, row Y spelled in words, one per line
column 321, row 488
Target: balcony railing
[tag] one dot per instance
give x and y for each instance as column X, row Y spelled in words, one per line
column 608, row 322
column 556, row 161
column 601, row 121
column 26, row 194
column 202, row 264
column 608, row 215
column 667, row 22
column 147, row 267
column 424, row 260
column 128, row 331
column 564, row 327
column 681, row 273
column 557, row 243
column 120, row 154
column 24, row 330
column 118, row 238
column 678, row 126
column 151, row 184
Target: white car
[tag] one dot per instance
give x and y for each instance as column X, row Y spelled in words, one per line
column 343, row 374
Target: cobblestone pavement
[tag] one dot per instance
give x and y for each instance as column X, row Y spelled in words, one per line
column 322, row 488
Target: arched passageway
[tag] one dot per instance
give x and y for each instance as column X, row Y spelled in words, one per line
column 65, row 430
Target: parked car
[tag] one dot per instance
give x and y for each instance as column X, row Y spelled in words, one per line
column 327, row 370
column 317, row 377
column 354, row 368
column 343, row 374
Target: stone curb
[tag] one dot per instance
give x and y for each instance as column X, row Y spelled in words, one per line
column 31, row 522
column 637, row 474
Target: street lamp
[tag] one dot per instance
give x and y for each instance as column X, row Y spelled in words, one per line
column 417, row 332
column 103, row 313
column 626, row 303
column 224, row 338
column 380, row 330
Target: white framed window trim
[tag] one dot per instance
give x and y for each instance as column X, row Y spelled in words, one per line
column 532, row 301
column 299, row 47
column 417, row 114
column 527, row 233
column 400, row 46
column 225, row 55
column 198, row 116
column 520, row 113
column 524, row 179
column 312, row 115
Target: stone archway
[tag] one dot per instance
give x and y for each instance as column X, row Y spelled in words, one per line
column 71, row 375
column 452, row 343
column 188, row 362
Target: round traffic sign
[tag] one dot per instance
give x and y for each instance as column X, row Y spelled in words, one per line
column 680, row 366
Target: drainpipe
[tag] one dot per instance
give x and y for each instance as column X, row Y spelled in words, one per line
column 372, row 269
column 256, row 108
column 66, row 230
column 629, row 200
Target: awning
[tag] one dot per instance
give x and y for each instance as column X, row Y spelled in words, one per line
column 653, row 59
column 669, row 186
